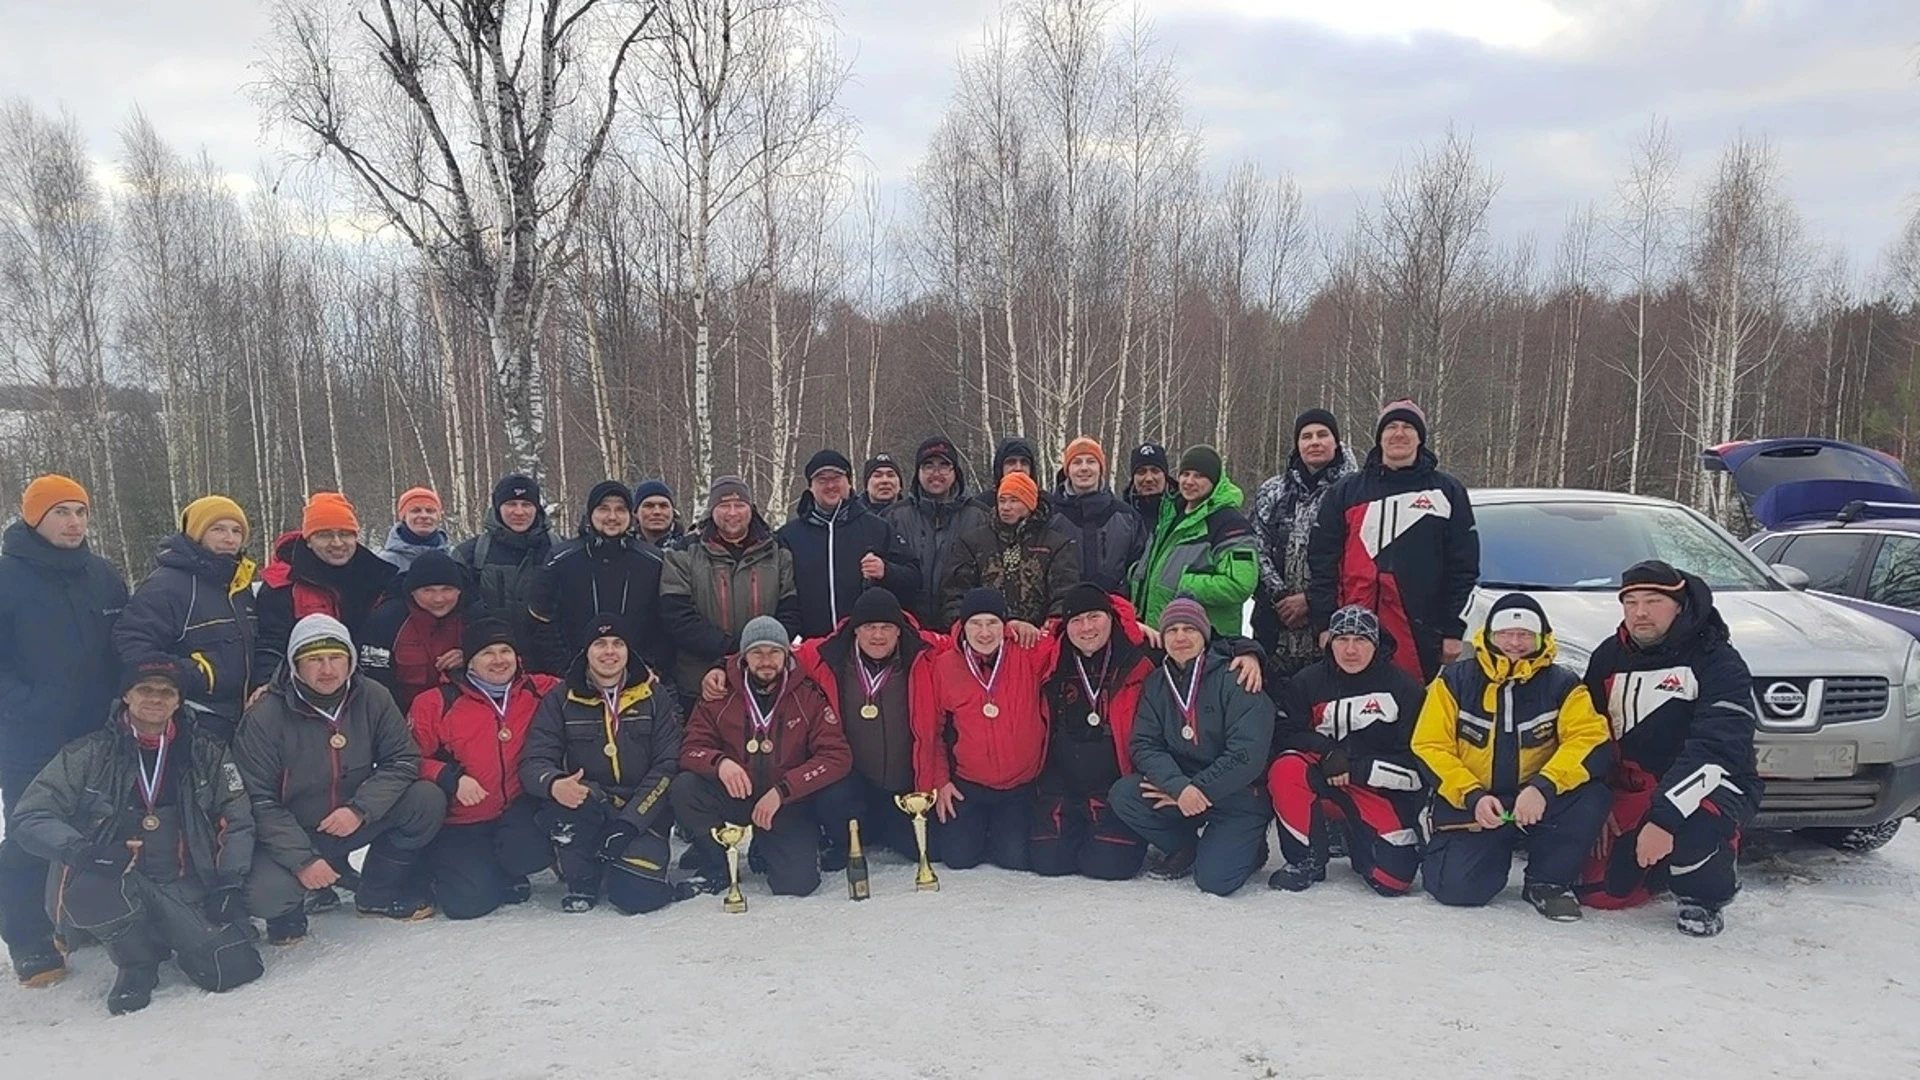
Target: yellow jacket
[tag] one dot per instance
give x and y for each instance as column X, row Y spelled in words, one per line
column 1491, row 725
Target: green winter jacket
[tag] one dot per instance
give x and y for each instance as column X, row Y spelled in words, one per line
column 1207, row 553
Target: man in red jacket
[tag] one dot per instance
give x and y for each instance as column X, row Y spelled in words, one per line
column 471, row 733
column 757, row 755
column 987, row 702
column 1090, row 698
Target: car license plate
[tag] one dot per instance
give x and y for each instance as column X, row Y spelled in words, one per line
column 1799, row 761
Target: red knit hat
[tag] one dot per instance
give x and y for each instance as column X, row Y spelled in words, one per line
column 326, row 511
column 1022, row 487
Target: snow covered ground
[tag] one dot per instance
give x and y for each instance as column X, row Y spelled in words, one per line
column 1004, row 975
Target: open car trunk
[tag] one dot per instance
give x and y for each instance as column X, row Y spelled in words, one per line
column 1800, row 481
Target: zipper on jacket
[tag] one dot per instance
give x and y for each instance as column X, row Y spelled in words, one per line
column 722, row 587
column 833, row 587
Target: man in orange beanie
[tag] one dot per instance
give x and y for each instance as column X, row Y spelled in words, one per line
column 323, row 569
column 1112, row 535
column 1024, row 551
column 418, row 529
column 58, row 603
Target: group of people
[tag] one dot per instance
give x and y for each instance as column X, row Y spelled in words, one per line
column 1060, row 670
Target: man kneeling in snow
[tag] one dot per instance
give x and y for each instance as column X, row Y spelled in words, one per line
column 150, row 834
column 1517, row 748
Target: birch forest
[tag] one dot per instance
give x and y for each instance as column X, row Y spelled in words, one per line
column 596, row 239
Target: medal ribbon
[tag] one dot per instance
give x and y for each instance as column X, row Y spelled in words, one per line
column 611, row 699
column 1190, row 703
column 763, row 721
column 872, row 684
column 150, row 785
column 974, row 666
column 499, row 704
column 1093, row 695
column 332, row 718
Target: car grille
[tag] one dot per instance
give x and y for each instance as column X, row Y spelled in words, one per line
column 1822, row 796
column 1847, row 699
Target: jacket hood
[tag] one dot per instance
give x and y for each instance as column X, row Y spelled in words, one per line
column 177, row 552
column 315, row 627
column 758, row 532
column 1698, row 628
column 1344, row 463
column 22, row 542
column 1226, row 495
column 1014, row 446
column 957, row 495
column 398, row 539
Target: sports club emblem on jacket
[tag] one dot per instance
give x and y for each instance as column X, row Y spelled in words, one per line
column 1341, row 718
column 1633, row 696
column 1388, row 519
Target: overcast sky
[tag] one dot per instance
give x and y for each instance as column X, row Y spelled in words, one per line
column 1336, row 91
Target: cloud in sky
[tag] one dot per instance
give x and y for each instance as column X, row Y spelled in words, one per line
column 1338, row 92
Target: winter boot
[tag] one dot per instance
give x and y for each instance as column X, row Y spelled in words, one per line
column 39, row 967
column 320, row 901
column 1171, row 866
column 519, row 891
column 1336, row 841
column 1298, row 877
column 133, row 988
column 1556, row 902
column 387, row 889
column 833, row 852
column 287, row 929
column 1699, row 920
column 574, row 903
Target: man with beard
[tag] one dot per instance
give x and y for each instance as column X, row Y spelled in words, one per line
column 332, row 767
column 1284, row 514
column 839, row 549
column 1112, row 536
column 507, row 555
column 197, row 606
column 607, row 571
column 1343, row 753
column 601, row 756
column 929, row 519
column 729, row 571
column 880, row 482
column 150, row 828
column 760, row 754
column 1024, row 553
column 418, row 529
column 1398, row 539
column 323, row 569
column 1680, row 703
column 1090, row 698
column 1148, row 468
column 58, row 603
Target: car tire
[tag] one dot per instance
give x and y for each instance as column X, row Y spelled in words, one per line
column 1856, row 841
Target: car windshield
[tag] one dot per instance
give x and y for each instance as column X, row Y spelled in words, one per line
column 1586, row 545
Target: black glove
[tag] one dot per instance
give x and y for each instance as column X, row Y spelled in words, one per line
column 106, row 857
column 1335, row 763
column 226, row 906
column 613, row 842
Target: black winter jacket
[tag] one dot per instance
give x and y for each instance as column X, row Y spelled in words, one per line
column 1682, row 710
column 298, row 584
column 1112, row 535
column 1360, row 724
column 58, row 668
column 571, row 731
column 503, row 565
column 929, row 527
column 197, row 607
column 827, row 550
column 595, row 575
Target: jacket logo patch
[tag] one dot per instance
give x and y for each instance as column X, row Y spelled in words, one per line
column 232, row 773
column 1388, row 519
column 1634, row 696
column 375, row 656
column 1339, row 719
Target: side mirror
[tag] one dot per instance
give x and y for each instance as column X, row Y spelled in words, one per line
column 1791, row 576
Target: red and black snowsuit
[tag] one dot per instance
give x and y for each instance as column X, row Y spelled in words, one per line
column 1401, row 543
column 297, row 584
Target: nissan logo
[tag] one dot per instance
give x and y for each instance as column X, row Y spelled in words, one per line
column 1785, row 700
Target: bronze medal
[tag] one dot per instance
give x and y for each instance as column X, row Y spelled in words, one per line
column 506, row 735
column 338, row 741
column 151, row 823
column 869, row 712
column 990, row 710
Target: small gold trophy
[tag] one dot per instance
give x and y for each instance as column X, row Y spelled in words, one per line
column 917, row 803
column 731, row 837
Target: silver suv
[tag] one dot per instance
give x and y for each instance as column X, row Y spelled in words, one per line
column 1839, row 691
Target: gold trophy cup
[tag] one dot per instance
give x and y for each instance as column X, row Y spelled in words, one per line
column 916, row 804
column 731, row 837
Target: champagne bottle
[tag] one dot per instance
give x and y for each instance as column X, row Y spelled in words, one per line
column 857, row 887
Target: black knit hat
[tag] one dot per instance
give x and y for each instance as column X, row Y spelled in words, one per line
column 516, row 487
column 1405, row 411
column 1083, row 598
column 725, row 487
column 480, row 634
column 1148, row 455
column 876, row 605
column 1204, row 460
column 982, row 600
column 607, row 624
column 434, row 567
column 607, row 489
column 649, row 489
column 153, row 666
column 1656, row 576
column 1316, row 416
column 876, row 463
column 935, row 447
column 828, row 459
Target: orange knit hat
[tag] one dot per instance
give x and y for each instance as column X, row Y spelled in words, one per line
column 1022, row 487
column 47, row 492
column 1084, row 445
column 328, row 510
column 415, row 495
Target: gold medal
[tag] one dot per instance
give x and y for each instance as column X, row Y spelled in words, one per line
column 990, row 710
column 1093, row 719
column 151, row 823
column 610, row 750
column 753, row 746
column 338, row 741
column 869, row 712
column 506, row 735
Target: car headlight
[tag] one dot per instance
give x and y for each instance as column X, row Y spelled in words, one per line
column 1910, row 683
